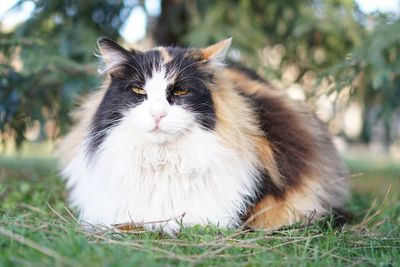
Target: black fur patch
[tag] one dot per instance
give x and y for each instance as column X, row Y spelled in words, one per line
column 130, row 73
column 117, row 99
column 192, row 75
column 292, row 144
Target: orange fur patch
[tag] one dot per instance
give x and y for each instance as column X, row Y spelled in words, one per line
column 213, row 50
column 299, row 204
column 238, row 129
column 271, row 214
column 166, row 57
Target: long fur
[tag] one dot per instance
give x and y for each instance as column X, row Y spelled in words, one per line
column 240, row 151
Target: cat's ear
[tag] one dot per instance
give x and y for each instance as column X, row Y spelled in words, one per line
column 112, row 54
column 217, row 52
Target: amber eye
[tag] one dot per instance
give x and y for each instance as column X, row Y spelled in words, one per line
column 179, row 92
column 138, row 91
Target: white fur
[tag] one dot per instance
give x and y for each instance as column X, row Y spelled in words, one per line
column 144, row 173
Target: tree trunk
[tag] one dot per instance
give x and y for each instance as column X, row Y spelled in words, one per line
column 172, row 24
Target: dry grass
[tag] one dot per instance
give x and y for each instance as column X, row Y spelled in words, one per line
column 37, row 229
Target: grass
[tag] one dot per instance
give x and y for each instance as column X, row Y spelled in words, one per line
column 36, row 229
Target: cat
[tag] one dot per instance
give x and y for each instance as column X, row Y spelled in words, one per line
column 176, row 137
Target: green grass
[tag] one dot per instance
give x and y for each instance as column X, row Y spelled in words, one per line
column 37, row 230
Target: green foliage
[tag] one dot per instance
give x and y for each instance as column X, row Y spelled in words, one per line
column 49, row 60
column 313, row 34
column 373, row 70
column 328, row 40
column 36, row 230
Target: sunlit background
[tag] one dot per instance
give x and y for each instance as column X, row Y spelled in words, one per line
column 335, row 85
column 134, row 29
column 340, row 57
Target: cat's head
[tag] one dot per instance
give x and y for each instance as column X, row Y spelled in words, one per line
column 159, row 95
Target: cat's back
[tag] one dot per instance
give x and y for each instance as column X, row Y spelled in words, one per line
column 299, row 139
column 309, row 168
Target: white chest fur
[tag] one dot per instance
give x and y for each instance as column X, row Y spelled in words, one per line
column 133, row 181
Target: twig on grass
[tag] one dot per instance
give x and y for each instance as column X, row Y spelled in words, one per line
column 44, row 250
column 145, row 248
column 376, row 213
column 33, row 208
column 271, row 248
column 58, row 214
column 71, row 214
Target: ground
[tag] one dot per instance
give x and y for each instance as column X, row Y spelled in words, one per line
column 36, row 228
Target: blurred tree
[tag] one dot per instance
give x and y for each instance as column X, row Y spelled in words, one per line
column 373, row 70
column 48, row 60
column 173, row 22
column 314, row 34
column 319, row 38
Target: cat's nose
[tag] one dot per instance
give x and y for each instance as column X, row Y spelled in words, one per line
column 158, row 116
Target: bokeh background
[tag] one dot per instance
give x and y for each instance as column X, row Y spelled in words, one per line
column 340, row 56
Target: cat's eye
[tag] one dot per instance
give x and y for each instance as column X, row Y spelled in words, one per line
column 138, row 91
column 179, row 92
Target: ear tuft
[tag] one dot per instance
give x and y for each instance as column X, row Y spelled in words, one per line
column 112, row 54
column 217, row 52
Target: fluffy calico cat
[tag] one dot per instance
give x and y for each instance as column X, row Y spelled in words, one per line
column 175, row 133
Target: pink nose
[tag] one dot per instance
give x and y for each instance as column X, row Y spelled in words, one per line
column 157, row 117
